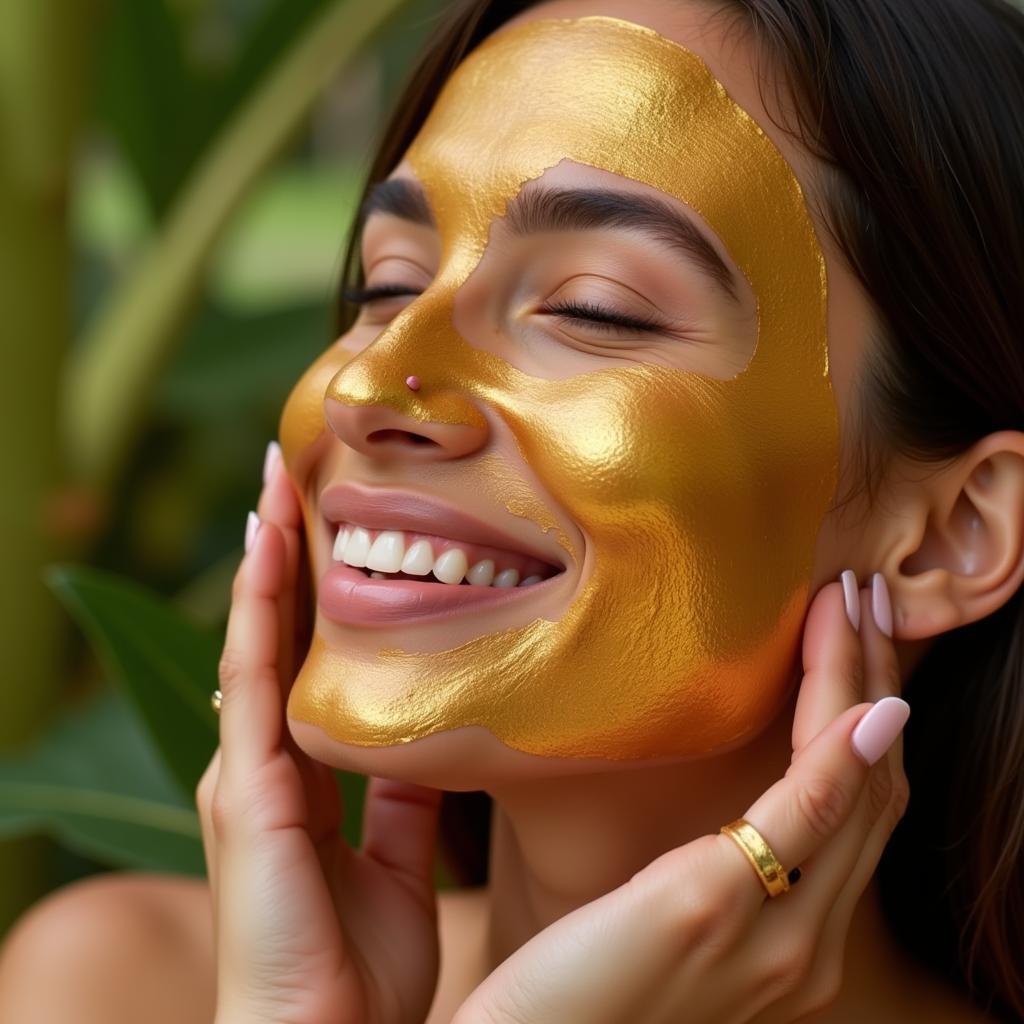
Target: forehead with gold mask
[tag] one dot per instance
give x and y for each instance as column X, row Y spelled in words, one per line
column 700, row 498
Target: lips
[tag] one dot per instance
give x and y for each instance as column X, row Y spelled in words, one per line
column 389, row 509
column 347, row 596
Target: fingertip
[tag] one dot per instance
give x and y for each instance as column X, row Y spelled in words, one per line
column 264, row 556
column 876, row 732
column 271, row 460
column 851, row 597
column 279, row 499
column 252, row 526
column 881, row 604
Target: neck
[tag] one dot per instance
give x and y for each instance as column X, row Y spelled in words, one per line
column 563, row 842
column 560, row 844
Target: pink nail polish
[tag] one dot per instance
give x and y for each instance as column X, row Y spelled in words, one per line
column 849, row 581
column 252, row 525
column 877, row 730
column 270, row 460
column 881, row 606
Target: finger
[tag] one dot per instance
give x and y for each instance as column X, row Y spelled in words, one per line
column 882, row 675
column 400, row 828
column 833, row 664
column 252, row 710
column 204, row 801
column 828, row 870
column 807, row 807
column 826, row 968
column 881, row 666
column 279, row 504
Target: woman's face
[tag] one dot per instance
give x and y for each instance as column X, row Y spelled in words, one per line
column 601, row 268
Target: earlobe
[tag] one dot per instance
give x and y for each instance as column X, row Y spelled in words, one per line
column 957, row 554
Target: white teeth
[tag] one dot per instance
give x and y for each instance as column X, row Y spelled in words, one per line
column 377, row 576
column 419, row 559
column 387, row 551
column 506, row 578
column 358, row 547
column 339, row 544
column 482, row 573
column 388, row 554
column 451, row 565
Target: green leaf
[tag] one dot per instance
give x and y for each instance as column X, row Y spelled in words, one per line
column 95, row 783
column 110, row 374
column 147, row 96
column 165, row 664
column 271, row 31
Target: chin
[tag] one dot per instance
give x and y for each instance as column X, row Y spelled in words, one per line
column 461, row 760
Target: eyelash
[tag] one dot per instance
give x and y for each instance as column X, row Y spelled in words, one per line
column 598, row 317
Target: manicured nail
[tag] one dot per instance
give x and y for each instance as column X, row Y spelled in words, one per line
column 881, row 606
column 270, row 460
column 252, row 524
column 852, row 598
column 877, row 730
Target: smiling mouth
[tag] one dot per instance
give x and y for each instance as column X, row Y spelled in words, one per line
column 430, row 558
column 398, row 577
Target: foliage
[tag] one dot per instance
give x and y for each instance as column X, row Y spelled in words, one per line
column 115, row 778
column 180, row 110
column 96, row 783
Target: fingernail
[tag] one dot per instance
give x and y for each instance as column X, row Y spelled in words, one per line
column 881, row 606
column 852, row 598
column 877, row 730
column 252, row 524
column 270, row 460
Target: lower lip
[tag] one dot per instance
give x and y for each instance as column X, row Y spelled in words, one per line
column 349, row 597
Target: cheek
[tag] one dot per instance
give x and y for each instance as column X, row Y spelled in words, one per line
column 302, row 422
column 683, row 486
column 621, row 444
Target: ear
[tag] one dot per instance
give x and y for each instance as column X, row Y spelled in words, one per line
column 954, row 552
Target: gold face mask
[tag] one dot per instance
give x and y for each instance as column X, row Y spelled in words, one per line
column 700, row 498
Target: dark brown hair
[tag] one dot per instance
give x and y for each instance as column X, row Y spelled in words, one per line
column 917, row 109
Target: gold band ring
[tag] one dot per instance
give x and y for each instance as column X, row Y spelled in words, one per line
column 774, row 877
column 215, row 698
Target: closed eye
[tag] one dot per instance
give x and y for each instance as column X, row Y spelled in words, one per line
column 601, row 317
column 364, row 296
column 594, row 315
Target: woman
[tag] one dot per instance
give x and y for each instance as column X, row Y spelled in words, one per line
column 650, row 288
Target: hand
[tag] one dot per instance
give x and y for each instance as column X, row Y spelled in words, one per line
column 693, row 936
column 307, row 929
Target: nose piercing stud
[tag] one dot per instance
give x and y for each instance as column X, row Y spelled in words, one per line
column 413, row 383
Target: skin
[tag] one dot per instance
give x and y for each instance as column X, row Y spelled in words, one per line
column 948, row 540
column 928, row 527
column 569, row 848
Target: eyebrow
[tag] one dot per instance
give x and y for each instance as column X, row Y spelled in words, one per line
column 400, row 197
column 538, row 209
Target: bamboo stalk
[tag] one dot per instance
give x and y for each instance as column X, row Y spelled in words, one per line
column 116, row 364
column 45, row 51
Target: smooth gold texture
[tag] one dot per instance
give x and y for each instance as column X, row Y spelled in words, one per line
column 772, row 874
column 699, row 499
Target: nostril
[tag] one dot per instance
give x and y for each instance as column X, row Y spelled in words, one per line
column 399, row 435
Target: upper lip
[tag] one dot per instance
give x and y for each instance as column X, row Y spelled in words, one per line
column 379, row 508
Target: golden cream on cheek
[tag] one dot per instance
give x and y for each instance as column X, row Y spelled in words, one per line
column 700, row 498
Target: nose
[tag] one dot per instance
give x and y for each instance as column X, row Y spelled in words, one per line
column 383, row 431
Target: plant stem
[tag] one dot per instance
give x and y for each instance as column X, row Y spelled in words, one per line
column 45, row 51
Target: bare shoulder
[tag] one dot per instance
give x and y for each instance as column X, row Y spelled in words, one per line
column 146, row 938
column 462, row 928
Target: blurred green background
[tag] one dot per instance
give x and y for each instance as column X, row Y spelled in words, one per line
column 176, row 182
